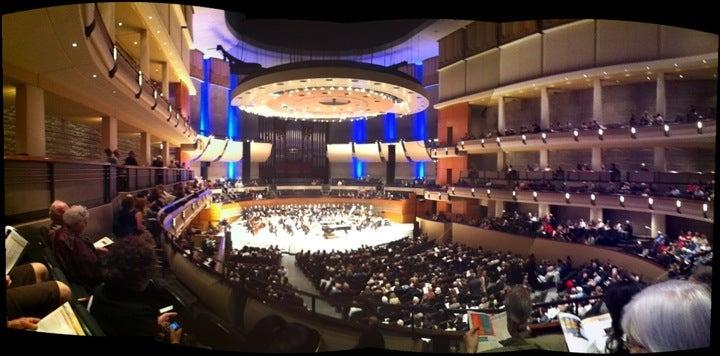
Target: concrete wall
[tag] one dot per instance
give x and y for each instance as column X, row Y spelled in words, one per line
column 521, row 112
column 690, row 159
column 574, row 106
column 568, row 158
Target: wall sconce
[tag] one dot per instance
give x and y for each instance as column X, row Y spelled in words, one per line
column 705, row 210
column 622, row 200
column 472, row 191
column 482, row 143
column 488, row 193
column 633, row 132
column 111, row 72
column 650, row 203
column 543, row 136
column 497, row 139
column 666, row 128
column 169, row 112
column 453, row 190
column 576, row 135
column 567, row 198
column 155, row 95
column 592, row 198
column 139, row 81
column 446, row 151
column 514, row 193
column 600, row 134
column 535, row 196
column 462, row 144
column 524, row 139
column 699, row 126
column 177, row 122
column 678, row 204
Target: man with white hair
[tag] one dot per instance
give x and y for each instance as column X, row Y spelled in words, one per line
column 669, row 316
column 57, row 209
column 77, row 256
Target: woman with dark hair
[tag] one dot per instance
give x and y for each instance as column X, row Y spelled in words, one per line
column 140, row 204
column 617, row 295
column 125, row 223
column 128, row 303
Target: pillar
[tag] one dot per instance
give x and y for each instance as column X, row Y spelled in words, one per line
column 596, row 159
column 501, row 159
column 144, row 158
column 657, row 224
column 596, row 214
column 165, row 81
column 659, row 162
column 597, row 100
column 166, row 152
column 107, row 13
column 543, row 210
column 144, row 52
column 544, row 109
column 30, row 124
column 543, row 159
column 660, row 98
column 109, row 132
column 501, row 115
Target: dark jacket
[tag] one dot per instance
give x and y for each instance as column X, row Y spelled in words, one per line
column 123, row 312
column 77, row 257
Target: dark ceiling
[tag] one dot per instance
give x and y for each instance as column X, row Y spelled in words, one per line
column 317, row 36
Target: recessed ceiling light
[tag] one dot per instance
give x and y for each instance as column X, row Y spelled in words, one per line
column 584, row 75
column 647, row 67
column 675, row 64
column 681, row 76
column 648, row 78
column 704, row 60
column 94, row 75
column 149, row 17
column 605, row 73
column 120, row 24
column 135, row 43
column 158, row 31
column 74, row 44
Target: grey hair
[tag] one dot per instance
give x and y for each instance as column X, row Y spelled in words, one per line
column 55, row 205
column 75, row 214
column 669, row 316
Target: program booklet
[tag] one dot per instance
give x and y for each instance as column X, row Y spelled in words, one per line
column 14, row 248
column 492, row 329
column 105, row 241
column 587, row 335
column 61, row 321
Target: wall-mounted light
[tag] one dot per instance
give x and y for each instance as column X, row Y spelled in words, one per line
column 453, row 190
column 622, row 200
column 482, row 143
column 524, row 139
column 535, row 196
column 514, row 193
column 699, row 127
column 446, row 151
column 543, row 136
column 678, row 205
column 139, row 81
column 488, row 193
column 497, row 139
column 567, row 198
column 600, row 134
column 169, row 112
column 155, row 101
column 633, row 132
column 666, row 128
column 472, row 191
column 592, row 198
column 705, row 210
column 650, row 203
column 462, row 144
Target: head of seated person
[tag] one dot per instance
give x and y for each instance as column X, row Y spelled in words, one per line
column 57, row 209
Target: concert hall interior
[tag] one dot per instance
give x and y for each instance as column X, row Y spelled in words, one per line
column 226, row 181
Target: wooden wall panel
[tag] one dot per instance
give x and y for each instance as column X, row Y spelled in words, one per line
column 481, row 36
column 430, row 71
column 451, row 48
column 511, row 31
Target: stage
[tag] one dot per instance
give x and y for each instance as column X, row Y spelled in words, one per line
column 315, row 240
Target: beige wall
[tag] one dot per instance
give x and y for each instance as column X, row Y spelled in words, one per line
column 434, row 229
column 483, row 71
column 452, row 81
column 569, row 47
column 520, row 60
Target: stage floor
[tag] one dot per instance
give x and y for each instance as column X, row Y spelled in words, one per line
column 314, row 240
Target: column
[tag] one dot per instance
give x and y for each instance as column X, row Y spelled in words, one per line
column 544, row 109
column 166, row 152
column 659, row 162
column 596, row 159
column 597, row 100
column 107, row 13
column 660, row 98
column 144, row 158
column 501, row 114
column 165, row 81
column 657, row 224
column 501, row 161
column 596, row 214
column 543, row 159
column 543, row 210
column 30, row 124
column 144, row 52
column 109, row 132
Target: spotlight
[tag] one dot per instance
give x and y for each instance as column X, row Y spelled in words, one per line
column 472, row 191
column 544, row 137
column 633, row 132
column 678, row 204
column 446, row 151
column 462, row 144
column 488, row 193
column 453, row 190
column 514, row 193
column 705, row 210
column 699, row 127
column 482, row 143
column 524, row 139
column 567, row 198
column 622, row 201
column 576, row 135
column 535, row 196
column 592, row 198
column 600, row 134
column 667, row 130
column 650, row 203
